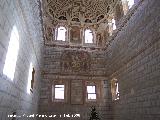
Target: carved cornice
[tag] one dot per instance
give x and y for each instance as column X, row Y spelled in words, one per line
column 90, row 48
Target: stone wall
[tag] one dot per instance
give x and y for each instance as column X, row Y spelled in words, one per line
column 133, row 58
column 13, row 94
column 52, row 71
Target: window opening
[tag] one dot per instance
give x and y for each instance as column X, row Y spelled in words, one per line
column 115, row 89
column 91, row 92
column 113, row 24
column 88, row 36
column 12, row 53
column 30, row 79
column 59, row 92
column 130, row 3
column 61, row 33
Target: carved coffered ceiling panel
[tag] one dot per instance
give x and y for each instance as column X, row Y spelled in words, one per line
column 76, row 16
column 76, row 11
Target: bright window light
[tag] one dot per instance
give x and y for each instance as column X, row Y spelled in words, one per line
column 88, row 36
column 91, row 91
column 11, row 57
column 61, row 33
column 29, row 78
column 117, row 91
column 59, row 91
column 130, row 3
column 114, row 24
column 92, row 96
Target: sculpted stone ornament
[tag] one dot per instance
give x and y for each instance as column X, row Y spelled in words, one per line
column 76, row 8
column 49, row 34
column 75, row 61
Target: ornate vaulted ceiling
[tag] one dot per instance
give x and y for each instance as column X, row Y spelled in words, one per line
column 76, row 11
column 76, row 16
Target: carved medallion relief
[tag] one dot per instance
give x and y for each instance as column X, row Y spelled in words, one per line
column 75, row 61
